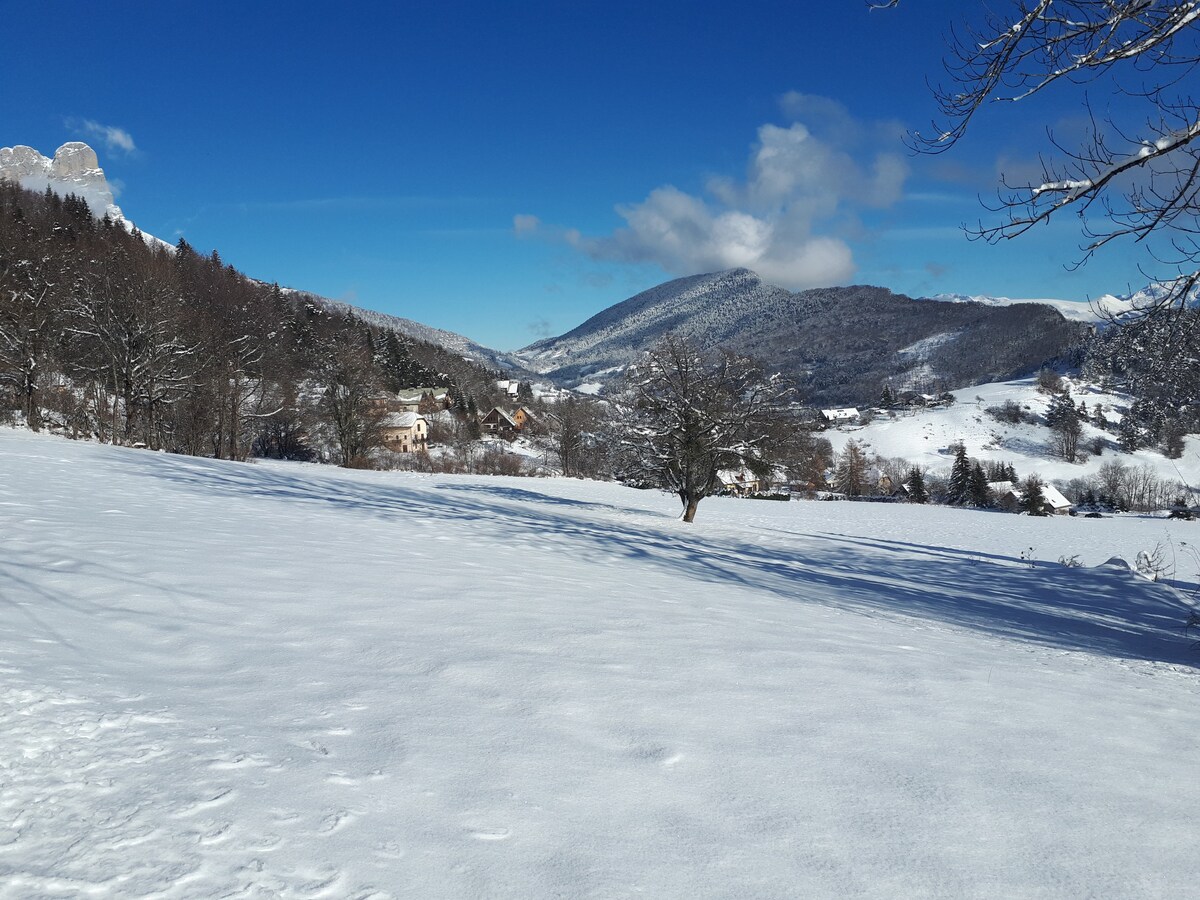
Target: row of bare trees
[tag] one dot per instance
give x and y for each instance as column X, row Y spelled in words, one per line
column 123, row 339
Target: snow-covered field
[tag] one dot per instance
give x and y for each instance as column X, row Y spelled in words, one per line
column 924, row 436
column 224, row 680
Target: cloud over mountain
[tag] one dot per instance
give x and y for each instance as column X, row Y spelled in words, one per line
column 786, row 218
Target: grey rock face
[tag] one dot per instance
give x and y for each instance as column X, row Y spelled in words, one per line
column 74, row 169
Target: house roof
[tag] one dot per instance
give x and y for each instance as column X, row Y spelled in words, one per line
column 401, row 420
column 847, row 412
column 1053, row 498
column 414, row 395
column 501, row 414
column 736, row 476
column 1051, row 495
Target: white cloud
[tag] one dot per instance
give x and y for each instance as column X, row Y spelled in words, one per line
column 525, row 225
column 114, row 138
column 803, row 185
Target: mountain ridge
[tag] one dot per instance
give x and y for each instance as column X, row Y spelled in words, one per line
column 842, row 343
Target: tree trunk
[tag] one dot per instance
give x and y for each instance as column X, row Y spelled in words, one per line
column 33, row 411
column 689, row 508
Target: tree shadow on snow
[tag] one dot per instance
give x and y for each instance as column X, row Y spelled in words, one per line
column 1102, row 610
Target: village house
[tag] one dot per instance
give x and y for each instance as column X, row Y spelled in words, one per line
column 422, row 399
column 739, row 481
column 497, row 421
column 404, row 432
column 523, row 417
column 1009, row 496
column 843, row 416
column 510, row 388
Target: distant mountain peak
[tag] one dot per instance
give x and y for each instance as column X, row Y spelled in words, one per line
column 841, row 343
column 74, row 169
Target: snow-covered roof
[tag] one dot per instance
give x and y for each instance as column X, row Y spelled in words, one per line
column 401, row 420
column 414, row 395
column 736, row 476
column 1051, row 495
column 1053, row 498
column 836, row 415
column 503, row 415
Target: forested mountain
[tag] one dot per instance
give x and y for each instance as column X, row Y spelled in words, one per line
column 449, row 340
column 842, row 343
column 123, row 339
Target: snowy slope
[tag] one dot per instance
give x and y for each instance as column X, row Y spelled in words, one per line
column 838, row 342
column 923, row 436
column 224, row 680
column 1099, row 310
column 1071, row 309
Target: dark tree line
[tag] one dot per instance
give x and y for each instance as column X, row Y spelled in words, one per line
column 1157, row 359
column 124, row 339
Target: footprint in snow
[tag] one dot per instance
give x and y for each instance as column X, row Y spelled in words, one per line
column 491, row 834
column 335, row 821
column 218, row 799
column 390, row 850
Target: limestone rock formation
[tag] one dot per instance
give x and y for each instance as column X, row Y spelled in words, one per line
column 73, row 170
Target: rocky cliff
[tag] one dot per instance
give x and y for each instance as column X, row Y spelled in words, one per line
column 74, row 169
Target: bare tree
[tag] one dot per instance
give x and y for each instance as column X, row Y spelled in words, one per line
column 30, row 299
column 693, row 414
column 348, row 382
column 850, row 476
column 126, row 315
column 1135, row 174
column 571, row 426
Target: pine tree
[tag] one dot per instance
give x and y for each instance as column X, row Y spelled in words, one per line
column 959, row 492
column 917, row 492
column 1062, row 409
column 887, row 400
column 1130, row 435
column 1033, row 501
column 980, row 495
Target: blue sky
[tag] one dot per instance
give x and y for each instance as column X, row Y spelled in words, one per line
column 507, row 170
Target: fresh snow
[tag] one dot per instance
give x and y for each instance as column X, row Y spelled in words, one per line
column 924, row 436
column 284, row 680
column 1075, row 310
column 1098, row 310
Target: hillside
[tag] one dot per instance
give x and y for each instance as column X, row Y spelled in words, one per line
column 288, row 680
column 448, row 340
column 924, row 436
column 840, row 343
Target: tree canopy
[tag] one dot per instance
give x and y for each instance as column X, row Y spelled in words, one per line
column 1135, row 174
